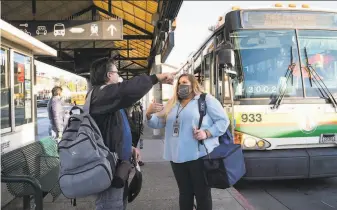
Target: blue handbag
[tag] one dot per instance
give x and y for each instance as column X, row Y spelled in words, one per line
column 225, row 165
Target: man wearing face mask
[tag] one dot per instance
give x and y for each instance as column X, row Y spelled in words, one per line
column 56, row 113
column 110, row 96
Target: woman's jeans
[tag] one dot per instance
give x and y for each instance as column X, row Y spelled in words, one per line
column 191, row 182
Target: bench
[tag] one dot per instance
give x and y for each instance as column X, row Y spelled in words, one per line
column 32, row 170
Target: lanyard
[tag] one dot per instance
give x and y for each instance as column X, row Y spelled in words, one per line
column 178, row 112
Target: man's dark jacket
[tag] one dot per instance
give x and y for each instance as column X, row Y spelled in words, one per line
column 106, row 102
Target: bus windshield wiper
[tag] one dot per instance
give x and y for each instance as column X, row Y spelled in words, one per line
column 288, row 74
column 319, row 82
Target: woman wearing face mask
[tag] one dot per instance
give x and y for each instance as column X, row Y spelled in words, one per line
column 180, row 119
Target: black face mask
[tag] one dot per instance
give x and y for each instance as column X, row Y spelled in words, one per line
column 184, row 91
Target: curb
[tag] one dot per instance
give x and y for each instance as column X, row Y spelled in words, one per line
column 241, row 199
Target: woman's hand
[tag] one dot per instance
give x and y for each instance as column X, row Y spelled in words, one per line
column 136, row 154
column 199, row 134
column 154, row 108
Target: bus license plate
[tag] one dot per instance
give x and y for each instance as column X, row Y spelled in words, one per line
column 328, row 139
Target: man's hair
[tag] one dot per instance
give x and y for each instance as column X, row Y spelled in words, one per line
column 99, row 69
column 56, row 90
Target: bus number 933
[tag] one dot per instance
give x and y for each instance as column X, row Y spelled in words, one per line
column 251, row 118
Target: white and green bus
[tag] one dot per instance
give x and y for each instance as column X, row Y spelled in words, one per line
column 275, row 72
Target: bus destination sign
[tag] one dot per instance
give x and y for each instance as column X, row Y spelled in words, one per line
column 288, row 19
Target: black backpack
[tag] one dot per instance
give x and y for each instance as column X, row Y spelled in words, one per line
column 137, row 119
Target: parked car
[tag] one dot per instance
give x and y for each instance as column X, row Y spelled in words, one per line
column 42, row 103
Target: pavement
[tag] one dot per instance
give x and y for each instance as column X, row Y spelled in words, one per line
column 160, row 192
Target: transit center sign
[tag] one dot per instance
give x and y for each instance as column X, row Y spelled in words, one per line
column 72, row 30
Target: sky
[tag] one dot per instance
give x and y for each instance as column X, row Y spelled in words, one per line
column 195, row 17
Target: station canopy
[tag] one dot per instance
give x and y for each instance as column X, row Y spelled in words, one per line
column 134, row 54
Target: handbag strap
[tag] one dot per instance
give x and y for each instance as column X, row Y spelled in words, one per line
column 202, row 112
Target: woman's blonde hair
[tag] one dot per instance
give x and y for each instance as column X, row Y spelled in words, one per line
column 196, row 90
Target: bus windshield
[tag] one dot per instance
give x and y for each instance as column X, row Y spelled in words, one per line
column 264, row 56
column 321, row 47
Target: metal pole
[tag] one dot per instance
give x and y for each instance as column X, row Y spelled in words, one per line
column 215, row 72
column 34, row 8
column 231, row 92
column 127, row 46
column 109, row 5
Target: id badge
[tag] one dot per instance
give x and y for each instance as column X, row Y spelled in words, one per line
column 176, row 126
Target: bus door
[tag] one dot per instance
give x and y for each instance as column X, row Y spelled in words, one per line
column 225, row 95
column 225, row 89
column 206, row 72
column 208, row 67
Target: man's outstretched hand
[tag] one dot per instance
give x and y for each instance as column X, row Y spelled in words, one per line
column 167, row 78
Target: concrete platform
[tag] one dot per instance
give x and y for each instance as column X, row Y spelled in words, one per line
column 159, row 191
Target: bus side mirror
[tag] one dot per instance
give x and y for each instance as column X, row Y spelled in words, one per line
column 226, row 60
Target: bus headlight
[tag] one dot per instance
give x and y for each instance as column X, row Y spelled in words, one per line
column 261, row 144
column 249, row 142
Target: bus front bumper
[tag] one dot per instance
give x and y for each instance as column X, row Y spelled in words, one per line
column 291, row 163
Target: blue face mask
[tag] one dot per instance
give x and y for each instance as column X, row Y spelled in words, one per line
column 184, row 91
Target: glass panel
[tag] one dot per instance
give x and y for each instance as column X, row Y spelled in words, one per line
column 321, row 49
column 5, row 91
column 207, row 71
column 263, row 58
column 22, row 89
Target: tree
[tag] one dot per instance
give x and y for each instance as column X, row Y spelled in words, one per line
column 82, row 85
column 71, row 86
column 62, row 81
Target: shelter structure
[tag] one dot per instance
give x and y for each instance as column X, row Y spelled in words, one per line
column 147, row 31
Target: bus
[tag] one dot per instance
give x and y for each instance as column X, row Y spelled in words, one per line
column 275, row 72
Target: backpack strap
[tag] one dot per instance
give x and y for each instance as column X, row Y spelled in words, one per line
column 86, row 106
column 202, row 108
column 202, row 112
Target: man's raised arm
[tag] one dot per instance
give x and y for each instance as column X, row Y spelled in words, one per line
column 122, row 95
